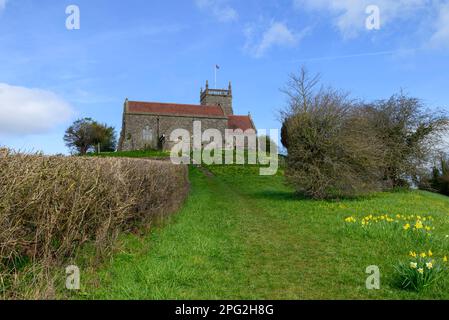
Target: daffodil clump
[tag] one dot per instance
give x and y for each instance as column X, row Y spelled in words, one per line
column 408, row 223
column 421, row 270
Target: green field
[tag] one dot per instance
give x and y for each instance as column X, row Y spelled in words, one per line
column 244, row 236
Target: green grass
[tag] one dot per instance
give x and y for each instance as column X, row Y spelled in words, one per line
column 244, row 236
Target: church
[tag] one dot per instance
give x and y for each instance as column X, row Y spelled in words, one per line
column 148, row 125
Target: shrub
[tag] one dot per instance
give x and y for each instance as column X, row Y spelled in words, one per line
column 332, row 151
column 409, row 134
column 50, row 206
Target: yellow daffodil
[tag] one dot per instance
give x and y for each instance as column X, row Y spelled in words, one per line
column 445, row 259
column 421, row 270
column 413, row 265
column 429, row 265
column 407, row 226
column 423, row 255
column 430, row 253
column 413, row 254
column 418, row 224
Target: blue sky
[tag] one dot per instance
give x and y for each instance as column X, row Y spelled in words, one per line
column 165, row 50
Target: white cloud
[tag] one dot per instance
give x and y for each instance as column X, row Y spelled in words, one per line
column 30, row 111
column 277, row 34
column 349, row 16
column 218, row 8
column 2, row 4
column 440, row 37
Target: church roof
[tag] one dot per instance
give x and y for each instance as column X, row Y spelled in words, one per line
column 175, row 109
column 240, row 122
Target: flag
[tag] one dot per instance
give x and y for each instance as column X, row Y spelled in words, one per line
column 217, row 67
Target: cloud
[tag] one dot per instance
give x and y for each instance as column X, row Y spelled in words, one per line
column 218, row 8
column 277, row 34
column 349, row 16
column 440, row 37
column 2, row 4
column 30, row 111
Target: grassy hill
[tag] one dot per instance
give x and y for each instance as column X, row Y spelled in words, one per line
column 241, row 235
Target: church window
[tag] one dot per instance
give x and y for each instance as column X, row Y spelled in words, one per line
column 147, row 134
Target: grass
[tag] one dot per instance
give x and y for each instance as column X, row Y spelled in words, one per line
column 244, row 236
column 50, row 207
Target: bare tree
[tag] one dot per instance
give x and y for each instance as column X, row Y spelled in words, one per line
column 331, row 151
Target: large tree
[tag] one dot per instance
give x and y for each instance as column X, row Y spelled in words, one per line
column 86, row 134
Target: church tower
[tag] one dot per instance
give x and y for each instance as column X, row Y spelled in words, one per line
column 219, row 97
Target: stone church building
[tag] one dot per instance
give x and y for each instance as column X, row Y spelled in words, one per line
column 148, row 125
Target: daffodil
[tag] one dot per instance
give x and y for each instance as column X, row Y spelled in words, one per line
column 429, row 265
column 407, row 226
column 423, row 255
column 418, row 224
column 430, row 253
column 413, row 254
column 413, row 265
column 421, row 270
column 445, row 259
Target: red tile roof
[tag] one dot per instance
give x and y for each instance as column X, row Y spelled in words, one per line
column 175, row 109
column 234, row 122
column 240, row 122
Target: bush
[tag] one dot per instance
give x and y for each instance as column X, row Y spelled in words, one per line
column 409, row 134
column 50, row 206
column 332, row 151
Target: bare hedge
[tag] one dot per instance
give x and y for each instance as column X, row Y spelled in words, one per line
column 50, row 206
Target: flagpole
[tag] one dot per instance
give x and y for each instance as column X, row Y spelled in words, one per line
column 215, row 69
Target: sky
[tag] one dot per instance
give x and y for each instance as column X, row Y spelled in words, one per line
column 151, row 50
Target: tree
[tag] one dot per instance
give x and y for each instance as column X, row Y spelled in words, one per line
column 331, row 149
column 86, row 134
column 105, row 137
column 439, row 181
column 409, row 134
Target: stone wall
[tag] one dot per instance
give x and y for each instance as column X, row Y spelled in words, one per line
column 142, row 131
